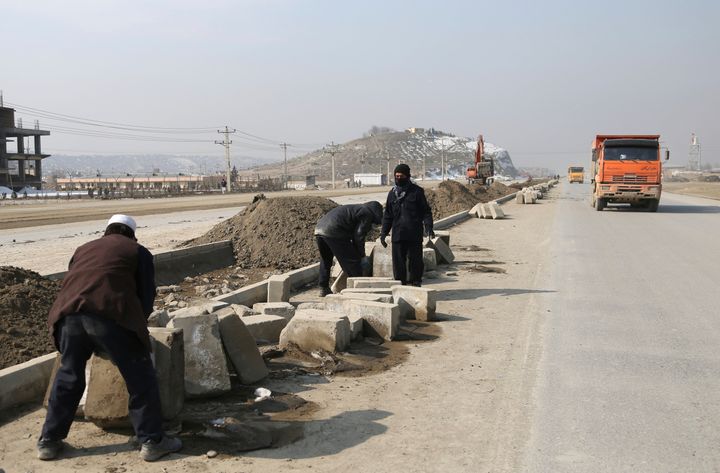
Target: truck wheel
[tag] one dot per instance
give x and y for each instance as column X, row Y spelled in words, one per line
column 600, row 204
column 653, row 205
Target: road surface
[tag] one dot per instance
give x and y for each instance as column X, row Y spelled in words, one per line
column 629, row 378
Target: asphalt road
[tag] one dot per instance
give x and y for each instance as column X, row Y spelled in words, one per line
column 629, row 377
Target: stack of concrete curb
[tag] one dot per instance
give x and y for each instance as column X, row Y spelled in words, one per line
column 531, row 194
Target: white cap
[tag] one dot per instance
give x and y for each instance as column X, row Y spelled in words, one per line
column 124, row 219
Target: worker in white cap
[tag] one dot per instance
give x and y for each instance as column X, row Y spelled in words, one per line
column 102, row 307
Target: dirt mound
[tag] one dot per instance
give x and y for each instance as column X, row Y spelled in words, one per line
column 450, row 197
column 275, row 232
column 25, row 299
column 490, row 193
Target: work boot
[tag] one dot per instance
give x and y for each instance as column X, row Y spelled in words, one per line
column 325, row 290
column 151, row 451
column 49, row 449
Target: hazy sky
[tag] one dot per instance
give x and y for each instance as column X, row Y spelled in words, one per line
column 537, row 78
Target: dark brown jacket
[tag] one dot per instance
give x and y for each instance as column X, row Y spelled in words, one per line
column 103, row 279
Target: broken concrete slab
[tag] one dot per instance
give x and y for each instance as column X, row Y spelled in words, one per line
column 206, row 372
column 169, row 357
column 381, row 319
column 443, row 252
column 356, row 326
column 265, row 328
column 429, row 259
column 106, row 404
column 278, row 288
column 317, row 330
column 242, row 349
column 364, row 296
column 415, row 302
column 283, row 309
column 243, row 310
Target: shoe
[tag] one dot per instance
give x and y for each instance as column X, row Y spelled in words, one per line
column 324, row 291
column 151, row 451
column 49, row 449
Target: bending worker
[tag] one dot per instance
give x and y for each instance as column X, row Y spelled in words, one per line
column 341, row 233
column 102, row 307
column 408, row 214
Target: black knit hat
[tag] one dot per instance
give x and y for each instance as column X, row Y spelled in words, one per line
column 403, row 169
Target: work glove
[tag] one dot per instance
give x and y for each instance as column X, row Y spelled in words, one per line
column 429, row 233
column 382, row 241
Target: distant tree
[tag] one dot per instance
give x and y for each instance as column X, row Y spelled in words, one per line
column 234, row 174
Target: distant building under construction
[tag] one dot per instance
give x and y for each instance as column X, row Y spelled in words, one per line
column 19, row 168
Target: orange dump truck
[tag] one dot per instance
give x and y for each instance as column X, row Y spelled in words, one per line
column 627, row 169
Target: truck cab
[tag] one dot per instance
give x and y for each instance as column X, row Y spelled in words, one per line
column 627, row 169
column 576, row 174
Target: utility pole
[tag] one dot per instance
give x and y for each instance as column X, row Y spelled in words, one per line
column 284, row 146
column 226, row 143
column 332, row 150
column 442, row 162
column 390, row 176
column 362, row 163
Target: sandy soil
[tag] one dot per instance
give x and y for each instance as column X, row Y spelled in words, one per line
column 456, row 403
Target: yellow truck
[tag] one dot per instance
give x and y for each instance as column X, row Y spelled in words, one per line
column 575, row 174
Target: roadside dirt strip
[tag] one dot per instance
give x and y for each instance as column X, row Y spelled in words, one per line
column 460, row 402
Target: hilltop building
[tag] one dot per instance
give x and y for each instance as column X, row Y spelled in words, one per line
column 19, row 168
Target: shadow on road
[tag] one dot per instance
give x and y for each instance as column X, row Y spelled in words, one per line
column 468, row 294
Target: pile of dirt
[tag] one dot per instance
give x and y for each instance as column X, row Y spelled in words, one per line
column 490, row 193
column 25, row 299
column 275, row 232
column 450, row 197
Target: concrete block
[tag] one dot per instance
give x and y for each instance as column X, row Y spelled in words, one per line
column 247, row 295
column 476, row 210
column 265, row 328
column 429, row 259
column 415, row 302
column 443, row 252
column 364, row 296
column 310, row 305
column 496, row 211
column 241, row 349
column 356, row 326
column 169, row 356
column 519, row 198
column 483, row 211
column 351, row 281
column 367, row 290
column 381, row 319
column 283, row 309
column 444, row 235
column 382, row 260
column 107, row 398
column 375, row 282
column 340, row 282
column 158, row 318
column 242, row 310
column 278, row 288
column 206, row 372
column 317, row 330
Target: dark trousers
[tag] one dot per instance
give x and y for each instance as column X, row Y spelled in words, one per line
column 78, row 336
column 408, row 255
column 346, row 253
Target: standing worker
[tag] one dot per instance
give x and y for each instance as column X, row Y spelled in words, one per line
column 408, row 214
column 102, row 307
column 341, row 233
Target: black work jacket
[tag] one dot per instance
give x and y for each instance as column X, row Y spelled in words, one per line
column 407, row 213
column 349, row 222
